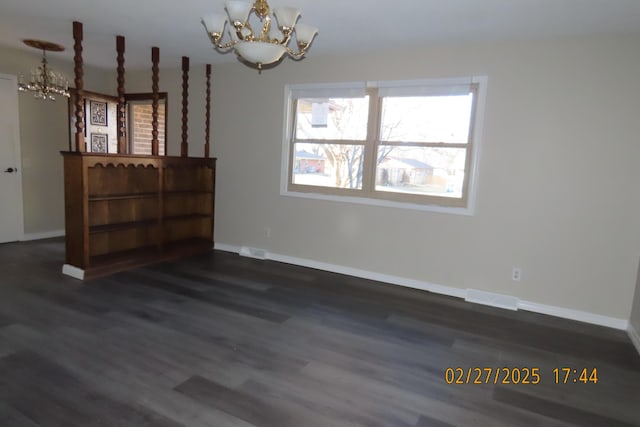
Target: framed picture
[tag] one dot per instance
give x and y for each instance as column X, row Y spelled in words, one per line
column 98, row 112
column 99, row 143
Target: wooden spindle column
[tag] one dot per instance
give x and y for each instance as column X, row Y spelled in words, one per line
column 155, row 58
column 207, row 119
column 79, row 82
column 184, row 147
column 122, row 125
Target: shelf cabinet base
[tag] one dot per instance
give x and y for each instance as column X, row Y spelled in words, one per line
column 126, row 211
column 73, row 271
column 116, row 262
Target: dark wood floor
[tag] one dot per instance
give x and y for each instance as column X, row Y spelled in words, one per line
column 219, row 340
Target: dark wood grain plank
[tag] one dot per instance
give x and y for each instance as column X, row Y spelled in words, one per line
column 181, row 289
column 10, row 417
column 426, row 421
column 241, row 405
column 557, row 410
column 221, row 340
column 70, row 401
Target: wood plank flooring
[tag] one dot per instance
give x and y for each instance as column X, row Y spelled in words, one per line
column 220, row 340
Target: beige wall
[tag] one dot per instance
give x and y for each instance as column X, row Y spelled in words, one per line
column 635, row 311
column 557, row 183
column 43, row 134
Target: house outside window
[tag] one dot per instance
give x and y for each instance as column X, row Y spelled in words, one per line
column 407, row 144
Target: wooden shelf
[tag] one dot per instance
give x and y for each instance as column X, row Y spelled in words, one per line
column 103, row 265
column 187, row 192
column 146, row 209
column 119, row 209
column 106, row 197
column 186, row 217
column 189, row 245
column 122, row 226
column 123, row 256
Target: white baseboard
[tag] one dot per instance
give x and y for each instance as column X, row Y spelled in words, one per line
column 226, row 248
column 581, row 316
column 42, row 235
column 350, row 271
column 71, row 271
column 635, row 336
column 505, row 301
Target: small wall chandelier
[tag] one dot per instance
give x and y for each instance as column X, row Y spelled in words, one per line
column 263, row 47
column 44, row 82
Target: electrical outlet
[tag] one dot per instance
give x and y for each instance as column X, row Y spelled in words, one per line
column 516, row 274
column 267, row 232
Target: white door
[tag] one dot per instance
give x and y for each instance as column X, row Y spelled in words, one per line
column 11, row 220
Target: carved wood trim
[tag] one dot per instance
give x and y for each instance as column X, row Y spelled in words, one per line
column 207, row 119
column 155, row 58
column 184, row 147
column 122, row 125
column 79, row 83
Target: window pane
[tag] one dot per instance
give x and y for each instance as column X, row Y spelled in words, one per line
column 141, row 127
column 426, row 119
column 421, row 170
column 328, row 165
column 332, row 118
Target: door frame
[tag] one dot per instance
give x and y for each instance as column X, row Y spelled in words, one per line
column 16, row 140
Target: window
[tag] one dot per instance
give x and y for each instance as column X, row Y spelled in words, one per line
column 101, row 122
column 414, row 143
column 140, row 109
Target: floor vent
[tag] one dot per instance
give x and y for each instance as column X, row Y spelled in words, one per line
column 494, row 300
column 254, row 252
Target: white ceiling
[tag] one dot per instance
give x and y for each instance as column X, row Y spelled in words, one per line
column 345, row 25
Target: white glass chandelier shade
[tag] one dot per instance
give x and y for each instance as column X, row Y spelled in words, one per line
column 238, row 10
column 44, row 82
column 258, row 42
column 286, row 16
column 305, row 33
column 214, row 22
column 260, row 52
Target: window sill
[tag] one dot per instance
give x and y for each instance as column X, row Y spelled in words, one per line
column 468, row 211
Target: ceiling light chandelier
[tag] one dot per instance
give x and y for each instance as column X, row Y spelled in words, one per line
column 44, row 82
column 265, row 46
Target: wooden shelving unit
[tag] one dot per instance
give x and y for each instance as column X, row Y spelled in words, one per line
column 123, row 211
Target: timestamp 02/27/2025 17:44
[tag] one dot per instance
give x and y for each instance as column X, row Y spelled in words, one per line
column 519, row 375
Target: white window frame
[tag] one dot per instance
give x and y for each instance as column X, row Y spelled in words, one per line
column 334, row 89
